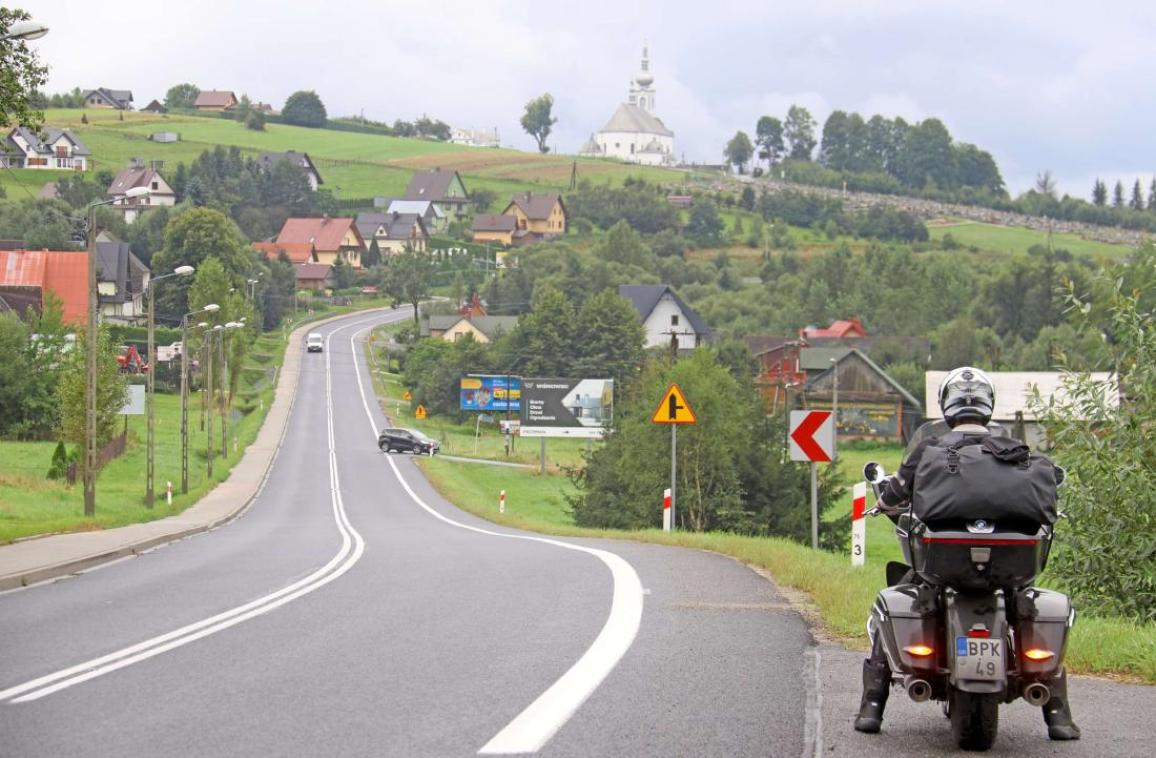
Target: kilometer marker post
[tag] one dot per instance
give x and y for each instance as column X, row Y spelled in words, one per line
column 858, row 523
column 666, row 510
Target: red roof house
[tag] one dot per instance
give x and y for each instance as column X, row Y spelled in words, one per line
column 841, row 329
column 296, row 252
column 331, row 238
column 26, row 275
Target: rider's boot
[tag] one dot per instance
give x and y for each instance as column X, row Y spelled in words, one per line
column 876, row 688
column 1058, row 711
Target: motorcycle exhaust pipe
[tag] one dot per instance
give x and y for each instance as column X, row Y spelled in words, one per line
column 919, row 690
column 1037, row 694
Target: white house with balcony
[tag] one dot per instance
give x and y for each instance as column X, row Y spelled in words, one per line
column 53, row 149
column 665, row 318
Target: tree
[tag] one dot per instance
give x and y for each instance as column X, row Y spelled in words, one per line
column 927, row 156
column 1118, row 195
column 543, row 343
column 623, row 245
column 834, row 153
column 769, row 138
column 193, row 237
column 1046, row 183
column 110, row 390
column 1099, row 193
column 407, row 278
column 21, row 76
column 739, row 151
column 1152, row 195
column 1137, row 201
column 706, row 226
column 537, row 120
column 255, row 121
column 304, row 108
column 181, row 96
column 799, row 131
column 343, row 275
column 609, row 338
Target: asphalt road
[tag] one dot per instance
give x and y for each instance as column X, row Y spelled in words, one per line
column 351, row 611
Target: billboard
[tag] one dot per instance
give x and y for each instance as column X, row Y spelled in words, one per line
column 491, row 393
column 566, row 407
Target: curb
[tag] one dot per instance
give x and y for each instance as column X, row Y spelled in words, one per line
column 185, row 524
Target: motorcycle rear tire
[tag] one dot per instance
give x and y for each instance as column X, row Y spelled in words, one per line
column 974, row 719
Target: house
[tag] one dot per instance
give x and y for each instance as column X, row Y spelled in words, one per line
column 1013, row 392
column 442, row 188
column 540, row 215
column 869, row 403
column 331, row 238
column 215, row 100
column 121, row 282
column 494, row 228
column 53, row 149
column 473, row 307
column 475, row 137
column 453, row 328
column 160, row 192
column 155, row 106
column 165, row 137
column 119, row 99
column 846, row 329
column 27, row 276
column 296, row 252
column 394, row 232
column 431, row 215
column 266, row 160
column 665, row 317
column 317, row 277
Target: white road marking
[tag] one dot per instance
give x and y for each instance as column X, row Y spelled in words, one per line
column 533, row 727
column 352, row 547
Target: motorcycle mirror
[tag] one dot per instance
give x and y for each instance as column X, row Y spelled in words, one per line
column 1061, row 475
column 872, row 471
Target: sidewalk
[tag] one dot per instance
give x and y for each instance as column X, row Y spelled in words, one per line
column 36, row 560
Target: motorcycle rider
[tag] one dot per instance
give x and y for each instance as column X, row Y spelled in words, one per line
column 967, row 400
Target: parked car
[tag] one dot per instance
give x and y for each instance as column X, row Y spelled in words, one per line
column 314, row 343
column 403, row 440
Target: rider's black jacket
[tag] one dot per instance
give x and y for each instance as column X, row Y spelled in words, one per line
column 899, row 488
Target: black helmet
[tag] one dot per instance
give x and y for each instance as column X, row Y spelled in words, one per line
column 966, row 394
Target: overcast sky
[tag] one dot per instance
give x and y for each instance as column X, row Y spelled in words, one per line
column 1054, row 85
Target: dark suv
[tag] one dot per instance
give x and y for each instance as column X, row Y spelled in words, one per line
column 403, row 440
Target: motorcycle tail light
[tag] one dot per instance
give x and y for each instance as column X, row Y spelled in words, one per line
column 919, row 651
column 1038, row 654
column 981, row 633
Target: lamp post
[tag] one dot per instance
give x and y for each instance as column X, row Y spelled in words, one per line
column 210, row 308
column 225, row 388
column 25, row 30
column 150, row 408
column 90, row 382
column 210, row 387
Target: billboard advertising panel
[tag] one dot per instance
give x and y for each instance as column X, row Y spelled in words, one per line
column 566, row 407
column 491, row 393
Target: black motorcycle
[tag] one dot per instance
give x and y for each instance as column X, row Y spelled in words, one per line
column 961, row 623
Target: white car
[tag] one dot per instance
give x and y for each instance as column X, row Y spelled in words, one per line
column 314, row 343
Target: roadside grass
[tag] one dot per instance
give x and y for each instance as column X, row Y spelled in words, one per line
column 31, row 505
column 837, row 595
column 1015, row 239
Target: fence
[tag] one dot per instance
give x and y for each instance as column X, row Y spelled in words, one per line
column 114, row 449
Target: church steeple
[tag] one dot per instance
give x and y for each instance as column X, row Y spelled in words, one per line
column 641, row 88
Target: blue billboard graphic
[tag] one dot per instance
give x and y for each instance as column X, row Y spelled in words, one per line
column 491, row 393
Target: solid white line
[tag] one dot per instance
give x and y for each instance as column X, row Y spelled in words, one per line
column 534, row 726
column 352, row 547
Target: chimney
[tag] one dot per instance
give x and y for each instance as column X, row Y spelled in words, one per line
column 157, row 165
column 136, row 162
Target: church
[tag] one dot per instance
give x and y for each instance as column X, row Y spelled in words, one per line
column 634, row 134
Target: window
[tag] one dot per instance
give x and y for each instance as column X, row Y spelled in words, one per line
column 674, row 320
column 156, row 186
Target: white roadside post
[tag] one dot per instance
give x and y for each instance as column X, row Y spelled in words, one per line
column 502, row 502
column 858, row 523
column 666, row 510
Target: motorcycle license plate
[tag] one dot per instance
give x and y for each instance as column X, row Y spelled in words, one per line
column 978, row 658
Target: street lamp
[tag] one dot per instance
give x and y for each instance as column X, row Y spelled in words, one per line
column 90, row 383
column 152, row 371
column 210, row 308
column 25, row 30
column 210, row 390
column 230, row 326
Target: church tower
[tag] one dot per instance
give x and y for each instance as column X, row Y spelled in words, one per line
column 642, row 87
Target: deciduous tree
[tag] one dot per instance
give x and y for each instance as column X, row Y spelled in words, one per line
column 181, row 96
column 21, row 76
column 769, row 138
column 799, row 131
column 538, row 121
column 304, row 108
column 739, row 151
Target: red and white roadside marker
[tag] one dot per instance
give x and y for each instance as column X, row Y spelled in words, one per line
column 502, row 502
column 666, row 510
column 858, row 523
column 169, row 493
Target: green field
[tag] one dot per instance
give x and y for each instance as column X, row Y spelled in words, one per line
column 1015, row 239
column 353, row 165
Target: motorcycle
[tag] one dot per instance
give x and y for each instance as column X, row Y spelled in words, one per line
column 961, row 623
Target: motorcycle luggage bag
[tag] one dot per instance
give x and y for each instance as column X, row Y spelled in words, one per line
column 996, row 480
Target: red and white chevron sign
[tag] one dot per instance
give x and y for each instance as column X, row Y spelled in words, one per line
column 812, row 436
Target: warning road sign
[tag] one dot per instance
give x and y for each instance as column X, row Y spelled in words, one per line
column 673, row 409
column 407, row 396
column 420, row 412
column 812, row 436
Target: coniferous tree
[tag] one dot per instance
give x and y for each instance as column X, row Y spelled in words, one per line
column 1137, row 201
column 1152, row 195
column 1118, row 195
column 1099, row 193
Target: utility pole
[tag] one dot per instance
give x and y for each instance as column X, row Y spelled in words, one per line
column 210, row 308
column 90, row 371
column 150, row 397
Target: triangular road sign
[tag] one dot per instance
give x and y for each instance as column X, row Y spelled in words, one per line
column 673, row 409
